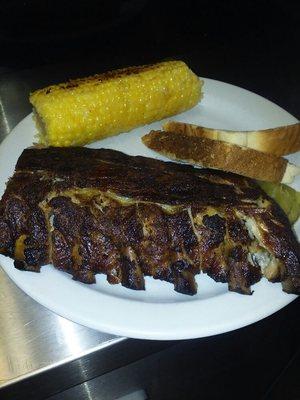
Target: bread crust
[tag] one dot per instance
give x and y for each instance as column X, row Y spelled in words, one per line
column 218, row 155
column 278, row 141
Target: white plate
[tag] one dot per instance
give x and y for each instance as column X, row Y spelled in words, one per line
column 159, row 312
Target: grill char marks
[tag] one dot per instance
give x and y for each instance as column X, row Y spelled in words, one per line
column 183, row 241
column 101, row 211
column 242, row 274
column 210, row 230
column 97, row 240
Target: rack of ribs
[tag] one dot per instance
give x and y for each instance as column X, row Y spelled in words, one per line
column 91, row 211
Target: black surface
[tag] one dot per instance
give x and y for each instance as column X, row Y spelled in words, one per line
column 252, row 44
column 287, row 385
column 243, row 364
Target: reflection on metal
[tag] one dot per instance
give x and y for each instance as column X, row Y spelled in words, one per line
column 34, row 339
column 88, row 393
column 14, row 105
column 69, row 335
column 136, row 395
column 4, row 126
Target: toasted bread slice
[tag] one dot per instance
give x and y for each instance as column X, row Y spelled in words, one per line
column 221, row 155
column 278, row 141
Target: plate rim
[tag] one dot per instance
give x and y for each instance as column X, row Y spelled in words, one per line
column 190, row 333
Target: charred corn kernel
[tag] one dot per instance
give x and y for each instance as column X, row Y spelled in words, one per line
column 89, row 109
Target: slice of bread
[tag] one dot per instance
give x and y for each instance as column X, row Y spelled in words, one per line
column 221, row 155
column 278, row 141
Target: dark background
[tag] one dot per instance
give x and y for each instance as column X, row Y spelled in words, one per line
column 252, row 44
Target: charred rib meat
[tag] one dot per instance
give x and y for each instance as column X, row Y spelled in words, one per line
column 93, row 211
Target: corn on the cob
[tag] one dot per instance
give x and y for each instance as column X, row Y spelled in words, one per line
column 84, row 110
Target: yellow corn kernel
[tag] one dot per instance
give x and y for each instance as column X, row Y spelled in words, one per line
column 88, row 109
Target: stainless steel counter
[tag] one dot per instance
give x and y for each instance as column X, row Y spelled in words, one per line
column 34, row 340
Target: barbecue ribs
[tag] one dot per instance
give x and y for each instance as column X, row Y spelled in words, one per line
column 90, row 211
